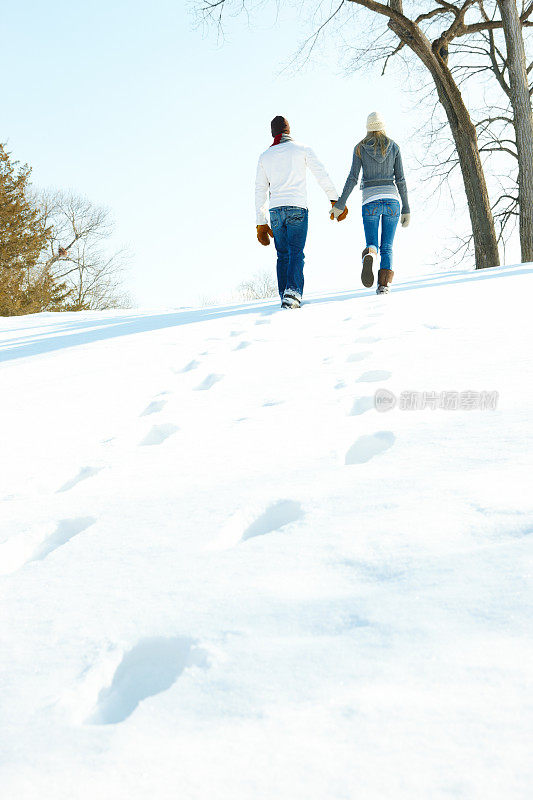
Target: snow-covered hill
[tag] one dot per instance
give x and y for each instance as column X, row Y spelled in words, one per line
column 227, row 576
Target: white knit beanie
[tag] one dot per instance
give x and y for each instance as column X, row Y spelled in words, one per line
column 374, row 122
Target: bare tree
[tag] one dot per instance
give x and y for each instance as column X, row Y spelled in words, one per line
column 520, row 98
column 484, row 53
column 77, row 255
column 260, row 286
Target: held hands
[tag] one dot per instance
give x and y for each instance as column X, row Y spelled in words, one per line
column 263, row 234
column 336, row 213
column 404, row 220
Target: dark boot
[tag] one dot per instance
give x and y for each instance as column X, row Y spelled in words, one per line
column 385, row 277
column 367, row 274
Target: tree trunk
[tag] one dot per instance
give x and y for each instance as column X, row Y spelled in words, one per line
column 465, row 138
column 522, row 120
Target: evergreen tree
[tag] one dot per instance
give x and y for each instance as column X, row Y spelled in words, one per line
column 23, row 236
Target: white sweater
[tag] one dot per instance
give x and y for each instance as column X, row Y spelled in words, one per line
column 281, row 172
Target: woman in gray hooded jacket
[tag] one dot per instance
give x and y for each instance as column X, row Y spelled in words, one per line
column 383, row 185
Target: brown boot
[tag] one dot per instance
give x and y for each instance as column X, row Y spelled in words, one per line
column 385, row 277
column 367, row 274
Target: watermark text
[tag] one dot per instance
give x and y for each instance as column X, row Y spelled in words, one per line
column 450, row 400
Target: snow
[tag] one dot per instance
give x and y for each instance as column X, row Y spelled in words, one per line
column 226, row 575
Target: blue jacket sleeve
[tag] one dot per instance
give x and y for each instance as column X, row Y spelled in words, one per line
column 400, row 182
column 351, row 181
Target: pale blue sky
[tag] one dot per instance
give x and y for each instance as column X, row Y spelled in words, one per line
column 134, row 107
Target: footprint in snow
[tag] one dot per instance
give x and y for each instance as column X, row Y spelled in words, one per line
column 159, row 433
column 374, row 375
column 270, row 403
column 274, row 518
column 262, row 322
column 367, row 326
column 340, row 385
column 359, row 356
column 149, row 668
column 242, row 345
column 65, row 531
column 360, row 405
column 191, row 365
column 83, row 474
column 208, row 382
column 236, row 333
column 366, row 340
column 154, row 407
column 366, row 447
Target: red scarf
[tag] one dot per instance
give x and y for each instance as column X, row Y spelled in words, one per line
column 277, row 139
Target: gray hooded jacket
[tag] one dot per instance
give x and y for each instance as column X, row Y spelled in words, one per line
column 379, row 171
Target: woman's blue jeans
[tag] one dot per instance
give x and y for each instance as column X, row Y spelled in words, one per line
column 388, row 211
column 289, row 226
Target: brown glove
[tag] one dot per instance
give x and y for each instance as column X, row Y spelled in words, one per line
column 341, row 216
column 263, row 234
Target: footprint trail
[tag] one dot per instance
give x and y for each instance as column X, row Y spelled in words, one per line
column 154, row 407
column 360, row 405
column 159, row 433
column 374, row 375
column 149, row 668
column 83, row 474
column 65, row 531
column 366, row 447
column 275, row 517
column 208, row 382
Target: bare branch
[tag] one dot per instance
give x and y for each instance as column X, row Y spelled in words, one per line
column 77, row 254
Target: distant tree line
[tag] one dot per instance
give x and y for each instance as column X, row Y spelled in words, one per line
column 260, row 286
column 53, row 254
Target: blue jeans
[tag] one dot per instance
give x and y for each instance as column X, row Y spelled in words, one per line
column 388, row 211
column 289, row 226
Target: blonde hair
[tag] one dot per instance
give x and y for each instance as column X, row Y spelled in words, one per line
column 380, row 138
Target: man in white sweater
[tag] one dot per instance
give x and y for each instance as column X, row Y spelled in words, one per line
column 281, row 184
